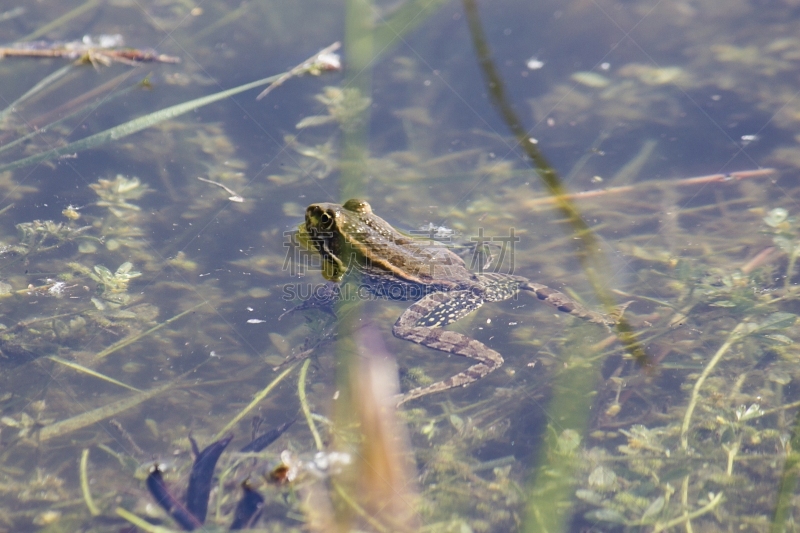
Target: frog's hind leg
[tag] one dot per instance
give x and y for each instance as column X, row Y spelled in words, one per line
column 421, row 323
column 498, row 287
column 565, row 304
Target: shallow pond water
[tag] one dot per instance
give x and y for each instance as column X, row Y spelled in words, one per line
column 142, row 304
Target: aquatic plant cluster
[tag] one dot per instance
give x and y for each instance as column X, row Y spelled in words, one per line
column 143, row 263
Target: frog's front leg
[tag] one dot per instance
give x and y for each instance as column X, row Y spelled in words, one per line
column 421, row 323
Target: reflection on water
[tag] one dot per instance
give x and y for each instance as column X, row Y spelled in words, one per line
column 141, row 304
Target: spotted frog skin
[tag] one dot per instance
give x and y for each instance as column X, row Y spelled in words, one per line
column 351, row 239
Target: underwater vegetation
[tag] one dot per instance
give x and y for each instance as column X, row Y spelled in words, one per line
column 147, row 218
column 191, row 514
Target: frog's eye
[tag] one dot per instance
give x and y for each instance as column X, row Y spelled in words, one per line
column 325, row 221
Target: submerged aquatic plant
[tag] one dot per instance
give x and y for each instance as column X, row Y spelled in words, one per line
column 113, row 287
column 116, row 194
column 345, row 108
column 632, row 467
column 191, row 513
column 681, row 465
column 41, row 236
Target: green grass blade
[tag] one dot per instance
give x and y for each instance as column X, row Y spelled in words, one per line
column 408, row 17
column 93, row 373
column 12, row 13
column 144, row 525
column 228, row 18
column 135, row 125
column 45, row 82
column 301, row 393
column 78, row 111
column 256, row 400
column 63, row 19
column 87, row 493
column 101, row 413
column 133, row 338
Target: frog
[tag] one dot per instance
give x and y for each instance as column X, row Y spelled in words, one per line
column 353, row 241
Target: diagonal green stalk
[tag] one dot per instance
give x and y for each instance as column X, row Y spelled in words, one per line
column 81, row 109
column 63, row 19
column 406, row 18
column 133, row 338
column 573, row 390
column 788, row 482
column 707, row 508
column 228, row 18
column 151, row 119
column 256, row 400
column 135, row 125
column 87, row 493
column 89, row 371
column 734, row 336
column 301, row 393
column 101, row 413
column 45, row 82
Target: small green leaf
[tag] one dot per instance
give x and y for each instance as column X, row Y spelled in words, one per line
column 606, row 515
column 774, row 321
column 779, row 339
column 722, row 303
column 314, row 120
column 589, row 496
column 103, row 272
column 568, row 441
column 602, row 478
column 775, row 217
column 654, row 508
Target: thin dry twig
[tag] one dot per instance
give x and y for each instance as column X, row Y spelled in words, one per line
column 104, row 49
column 234, row 197
column 697, row 180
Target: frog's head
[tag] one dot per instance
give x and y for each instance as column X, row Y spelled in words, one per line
column 331, row 229
column 320, row 232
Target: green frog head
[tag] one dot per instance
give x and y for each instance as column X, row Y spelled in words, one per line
column 330, row 229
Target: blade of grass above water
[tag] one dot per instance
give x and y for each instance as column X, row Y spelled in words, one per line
column 12, row 13
column 256, row 400
column 93, row 373
column 101, row 413
column 406, row 18
column 550, row 493
column 140, row 123
column 135, row 125
column 44, row 129
column 127, row 341
column 45, row 82
column 63, row 19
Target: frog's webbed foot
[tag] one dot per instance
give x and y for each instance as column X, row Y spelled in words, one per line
column 420, row 323
column 565, row 304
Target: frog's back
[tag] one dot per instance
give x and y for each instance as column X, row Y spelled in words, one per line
column 388, row 253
